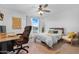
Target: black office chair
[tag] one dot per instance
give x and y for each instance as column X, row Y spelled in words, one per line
column 24, row 38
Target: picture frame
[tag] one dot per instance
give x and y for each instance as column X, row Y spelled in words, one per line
column 16, row 22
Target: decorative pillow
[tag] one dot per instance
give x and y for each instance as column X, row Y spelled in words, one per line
column 50, row 31
column 71, row 35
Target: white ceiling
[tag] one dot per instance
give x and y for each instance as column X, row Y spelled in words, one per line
column 23, row 8
column 31, row 9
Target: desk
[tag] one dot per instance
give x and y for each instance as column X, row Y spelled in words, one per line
column 6, row 43
column 8, row 38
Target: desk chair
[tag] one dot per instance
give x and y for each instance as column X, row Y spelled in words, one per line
column 24, row 38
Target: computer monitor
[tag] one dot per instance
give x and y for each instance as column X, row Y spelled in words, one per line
column 2, row 29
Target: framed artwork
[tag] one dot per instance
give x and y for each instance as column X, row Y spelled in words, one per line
column 16, row 22
column 1, row 16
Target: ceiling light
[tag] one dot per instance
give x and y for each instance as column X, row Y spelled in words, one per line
column 40, row 12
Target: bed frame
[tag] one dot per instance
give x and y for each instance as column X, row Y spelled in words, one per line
column 58, row 29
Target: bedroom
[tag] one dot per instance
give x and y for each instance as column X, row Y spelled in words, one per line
column 62, row 17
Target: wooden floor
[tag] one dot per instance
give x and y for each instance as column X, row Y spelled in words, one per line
column 59, row 48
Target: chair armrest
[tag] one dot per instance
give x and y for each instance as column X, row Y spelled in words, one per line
column 20, row 39
column 19, row 34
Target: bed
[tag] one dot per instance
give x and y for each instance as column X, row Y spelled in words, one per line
column 51, row 37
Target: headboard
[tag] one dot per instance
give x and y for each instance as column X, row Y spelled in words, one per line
column 62, row 29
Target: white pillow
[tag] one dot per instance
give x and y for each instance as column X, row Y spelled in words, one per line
column 60, row 32
column 50, row 31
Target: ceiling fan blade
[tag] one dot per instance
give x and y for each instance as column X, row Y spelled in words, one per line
column 46, row 5
column 46, row 10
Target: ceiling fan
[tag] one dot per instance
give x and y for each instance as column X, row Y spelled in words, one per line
column 43, row 8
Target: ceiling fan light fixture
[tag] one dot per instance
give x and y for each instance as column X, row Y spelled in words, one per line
column 40, row 12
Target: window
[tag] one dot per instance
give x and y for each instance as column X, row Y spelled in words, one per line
column 35, row 21
column 35, row 24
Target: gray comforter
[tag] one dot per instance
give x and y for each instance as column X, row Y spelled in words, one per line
column 48, row 39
